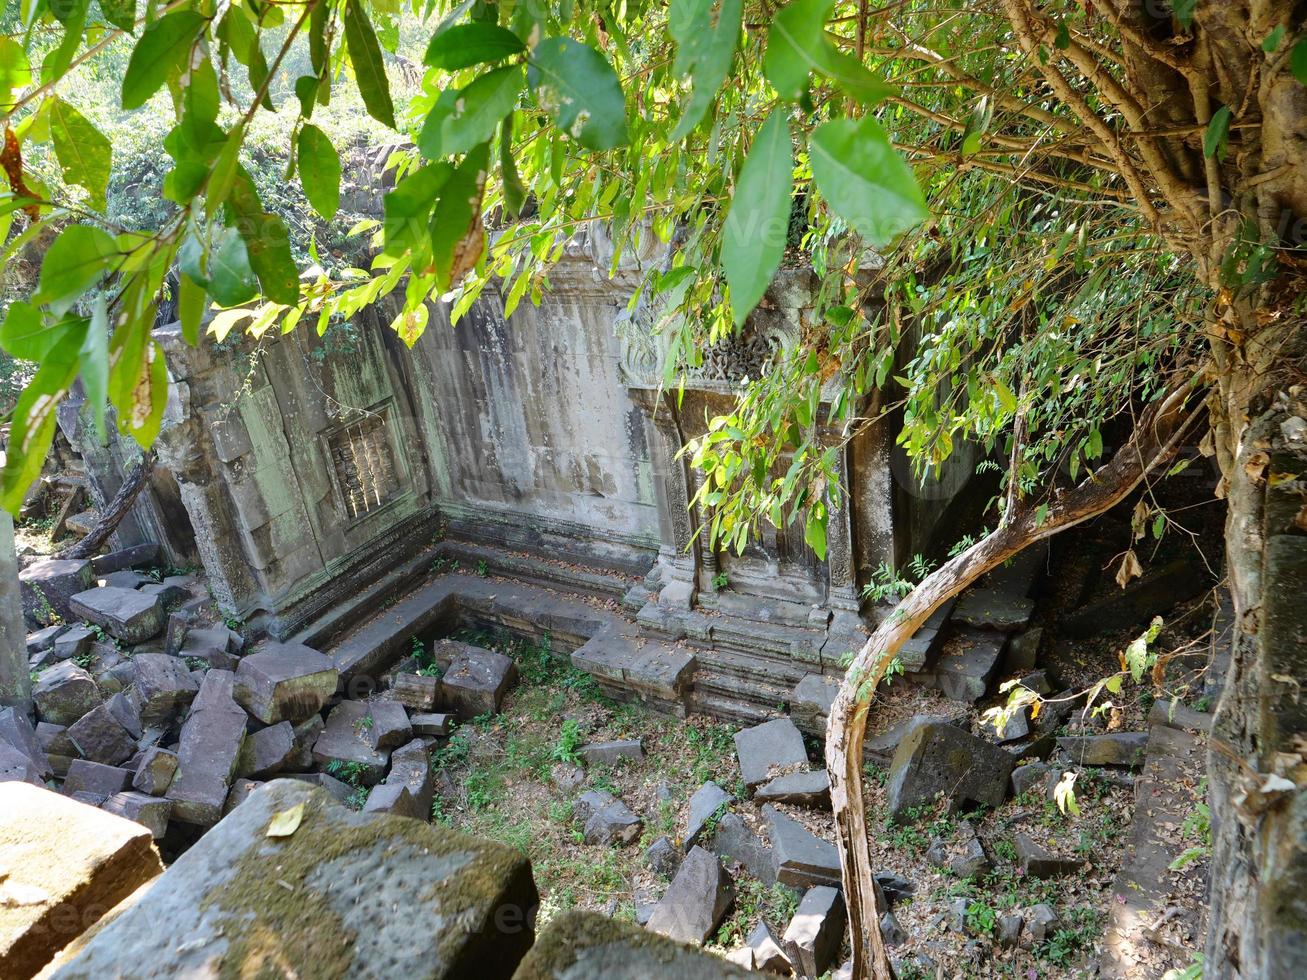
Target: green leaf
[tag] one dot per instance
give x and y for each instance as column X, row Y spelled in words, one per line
column 457, row 213
column 231, row 280
column 1184, row 11
column 369, row 71
column 84, row 154
column 706, row 41
column 1217, row 131
column 408, row 208
column 25, row 335
column 32, row 429
column 76, row 261
column 431, row 136
column 465, row 45
column 15, row 72
column 1273, row 39
column 267, row 243
column 757, row 224
column 814, row 533
column 576, row 85
column 319, row 167
column 795, row 46
column 120, row 13
column 94, row 355
column 478, row 109
column 1298, row 61
column 514, row 189
column 864, row 180
column 163, row 46
column 190, row 308
column 306, row 90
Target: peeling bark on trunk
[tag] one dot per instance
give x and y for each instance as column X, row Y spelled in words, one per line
column 1158, row 435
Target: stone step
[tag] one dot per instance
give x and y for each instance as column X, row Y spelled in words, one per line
column 729, row 709
column 83, row 523
column 537, row 571
column 1145, row 888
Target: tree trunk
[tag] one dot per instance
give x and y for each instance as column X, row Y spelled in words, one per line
column 1158, row 435
column 133, row 483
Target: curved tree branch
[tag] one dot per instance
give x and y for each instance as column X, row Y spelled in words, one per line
column 1159, row 433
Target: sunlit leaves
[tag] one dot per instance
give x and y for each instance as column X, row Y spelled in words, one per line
column 478, row 108
column 84, row 154
column 119, row 13
column 76, row 261
column 457, row 236
column 15, row 73
column 465, row 45
column 797, row 45
column 369, row 70
column 162, row 48
column 706, row 34
column 319, row 169
column 574, row 83
column 757, row 224
column 864, row 180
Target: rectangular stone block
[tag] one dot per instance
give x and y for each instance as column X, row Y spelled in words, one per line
column 353, row 895
column 65, row 865
column 210, row 747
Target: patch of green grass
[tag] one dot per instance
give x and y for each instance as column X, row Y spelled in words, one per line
column 569, row 740
column 1081, row 927
column 753, row 901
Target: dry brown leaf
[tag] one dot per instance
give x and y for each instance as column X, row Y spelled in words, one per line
column 1256, row 465
column 1130, row 569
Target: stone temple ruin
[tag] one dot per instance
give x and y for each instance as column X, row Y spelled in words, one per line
column 312, row 483
column 320, row 505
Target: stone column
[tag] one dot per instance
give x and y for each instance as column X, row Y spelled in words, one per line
column 842, row 587
column 678, row 552
column 15, row 679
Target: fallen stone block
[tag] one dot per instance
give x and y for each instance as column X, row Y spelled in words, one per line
column 267, row 752
column 1042, row 923
column 396, row 799
column 969, row 662
column 100, row 737
column 695, row 901
column 65, row 866
column 410, row 766
column 735, row 841
column 210, row 746
column 126, row 712
column 330, row 908
column 65, row 692
column 994, row 608
column 417, row 692
column 18, row 767
column 73, row 642
column 707, row 806
column 963, row 858
column 891, row 932
column 285, row 682
column 43, row 639
column 614, row 823
column 125, row 614
column 346, row 743
column 48, row 587
column 817, row 930
column 936, row 759
column 125, row 579
column 1037, row 862
column 1110, row 749
column 149, row 811
column 1178, row 715
column 802, row 858
column 137, row 556
column 767, row 749
column 209, row 645
column 96, row 778
column 589, row 946
column 589, row 803
column 240, row 792
column 476, row 682
column 800, row 788
column 17, row 732
column 811, row 701
column 389, row 726
column 768, row 956
column 432, row 725
column 155, row 772
column 612, row 753
column 662, row 857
